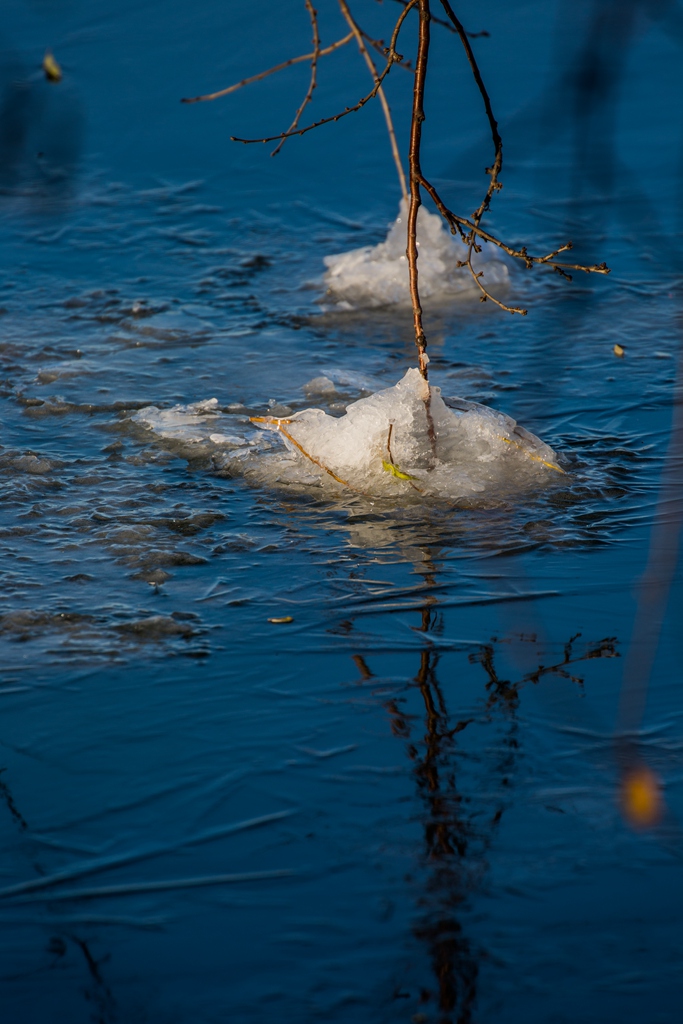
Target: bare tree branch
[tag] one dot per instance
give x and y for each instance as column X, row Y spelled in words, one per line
column 270, row 71
column 468, row 229
column 314, row 73
column 447, row 24
column 392, row 58
column 415, row 179
column 380, row 91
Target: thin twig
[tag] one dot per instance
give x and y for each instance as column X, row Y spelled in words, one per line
column 378, row 44
column 457, row 224
column 493, row 171
column 314, row 73
column 270, row 71
column 497, row 167
column 447, row 24
column 317, row 461
column 392, row 58
column 393, row 465
column 278, row 424
column 485, row 293
column 380, row 91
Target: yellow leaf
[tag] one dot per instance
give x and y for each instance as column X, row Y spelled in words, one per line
column 389, row 467
column 52, row 70
column 619, row 351
column 285, row 618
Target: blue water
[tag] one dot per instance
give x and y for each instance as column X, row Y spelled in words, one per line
column 402, row 805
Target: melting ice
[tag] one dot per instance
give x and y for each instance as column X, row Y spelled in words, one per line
column 378, row 275
column 403, row 441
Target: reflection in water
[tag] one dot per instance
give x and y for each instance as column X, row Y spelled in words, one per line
column 41, row 134
column 641, row 795
column 459, row 828
column 595, row 80
column 595, row 77
column 97, row 992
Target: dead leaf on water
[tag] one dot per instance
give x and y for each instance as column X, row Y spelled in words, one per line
column 52, row 70
column 283, row 618
column 619, row 350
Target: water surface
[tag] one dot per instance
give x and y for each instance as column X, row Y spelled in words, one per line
column 403, row 804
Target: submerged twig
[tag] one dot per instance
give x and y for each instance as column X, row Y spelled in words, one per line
column 389, row 466
column 534, row 458
column 277, row 423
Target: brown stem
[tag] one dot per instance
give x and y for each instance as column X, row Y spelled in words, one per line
column 392, row 58
column 415, row 179
column 382, row 97
column 446, row 24
column 313, row 15
column 457, row 224
column 269, row 71
column 494, row 171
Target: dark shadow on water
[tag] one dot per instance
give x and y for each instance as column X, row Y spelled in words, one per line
column 41, row 138
column 96, row 991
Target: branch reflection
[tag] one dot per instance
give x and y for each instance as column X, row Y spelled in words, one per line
column 459, row 827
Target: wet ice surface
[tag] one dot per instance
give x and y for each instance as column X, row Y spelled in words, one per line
column 403, row 799
column 373, row 276
column 451, row 450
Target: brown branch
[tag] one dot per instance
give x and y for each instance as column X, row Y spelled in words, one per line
column 485, row 293
column 457, row 224
column 314, row 73
column 416, row 178
column 447, row 24
column 270, row 71
column 493, row 172
column 380, row 91
column 416, row 122
column 497, row 167
column 378, row 44
column 277, row 423
column 392, row 58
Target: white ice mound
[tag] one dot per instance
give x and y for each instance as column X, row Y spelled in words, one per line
column 406, row 440
column 378, row 275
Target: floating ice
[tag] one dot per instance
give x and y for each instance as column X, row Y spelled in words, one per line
column 181, row 423
column 378, row 275
column 403, row 442
column 406, row 440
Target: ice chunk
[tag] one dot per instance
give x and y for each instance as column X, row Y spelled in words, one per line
column 181, row 423
column 378, row 275
column 319, row 386
column 406, row 440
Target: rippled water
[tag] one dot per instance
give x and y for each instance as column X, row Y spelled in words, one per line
column 401, row 805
